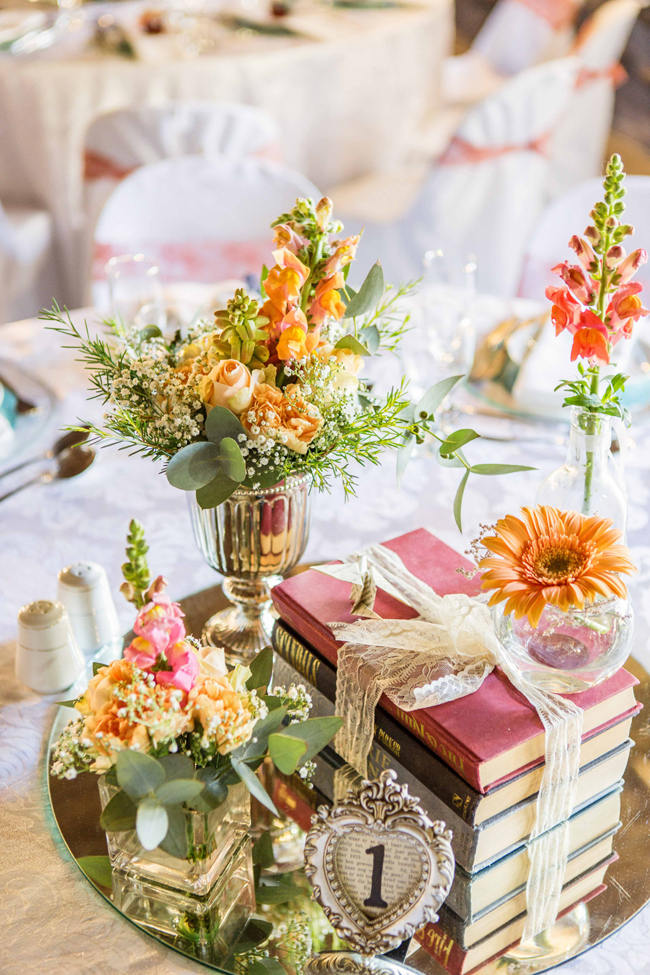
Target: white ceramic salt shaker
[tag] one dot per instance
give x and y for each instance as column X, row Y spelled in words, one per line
column 47, row 657
column 84, row 591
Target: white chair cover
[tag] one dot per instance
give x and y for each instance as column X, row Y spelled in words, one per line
column 579, row 143
column 518, row 34
column 118, row 142
column 201, row 219
column 26, row 262
column 484, row 194
column 568, row 215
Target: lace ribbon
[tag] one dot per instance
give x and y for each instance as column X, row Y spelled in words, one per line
column 443, row 654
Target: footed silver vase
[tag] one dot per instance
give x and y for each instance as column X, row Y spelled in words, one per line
column 253, row 539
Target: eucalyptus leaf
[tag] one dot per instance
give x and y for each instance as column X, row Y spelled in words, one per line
column 458, row 500
column 97, row 869
column 265, row 966
column 67, row 704
column 263, row 851
column 177, row 791
column 222, row 423
column 371, row 338
column 177, row 766
column 258, row 743
column 278, row 891
column 267, row 478
column 286, row 752
column 119, row 813
column 315, row 732
column 456, row 440
column 97, row 666
column 499, row 468
column 261, row 670
column 151, row 823
column 193, row 466
column 175, row 840
column 231, row 461
column 368, row 294
column 434, row 396
column 216, row 491
column 353, row 345
column 253, row 784
column 404, row 455
column 138, row 773
column 255, row 933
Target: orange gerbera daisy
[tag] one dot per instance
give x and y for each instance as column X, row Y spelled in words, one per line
column 552, row 556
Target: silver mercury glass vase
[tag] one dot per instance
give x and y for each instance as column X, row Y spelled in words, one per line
column 253, row 539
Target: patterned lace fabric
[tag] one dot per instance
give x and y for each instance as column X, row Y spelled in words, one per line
column 53, row 921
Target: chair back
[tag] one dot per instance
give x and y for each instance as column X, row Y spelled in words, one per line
column 518, row 34
column 486, row 191
column 201, row 219
column 580, row 141
column 568, row 215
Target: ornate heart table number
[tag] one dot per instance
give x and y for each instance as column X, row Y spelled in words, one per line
column 380, row 869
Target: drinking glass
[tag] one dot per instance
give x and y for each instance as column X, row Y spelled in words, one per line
column 441, row 339
column 135, row 290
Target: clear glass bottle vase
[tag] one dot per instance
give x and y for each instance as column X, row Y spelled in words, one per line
column 586, row 482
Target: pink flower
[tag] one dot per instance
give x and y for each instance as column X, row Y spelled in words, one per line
column 585, row 254
column 628, row 268
column 158, row 626
column 579, row 283
column 184, row 668
column 285, row 258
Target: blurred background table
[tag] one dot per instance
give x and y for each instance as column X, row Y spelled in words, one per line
column 347, row 87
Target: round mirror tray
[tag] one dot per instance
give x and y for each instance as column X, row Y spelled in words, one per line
column 288, row 927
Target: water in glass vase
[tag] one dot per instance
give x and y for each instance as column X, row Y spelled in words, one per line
column 569, row 650
column 586, row 482
column 205, row 897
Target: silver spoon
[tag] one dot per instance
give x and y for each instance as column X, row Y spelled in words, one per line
column 70, row 463
column 70, row 439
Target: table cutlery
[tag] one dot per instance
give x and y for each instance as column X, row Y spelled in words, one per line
column 70, row 439
column 70, row 463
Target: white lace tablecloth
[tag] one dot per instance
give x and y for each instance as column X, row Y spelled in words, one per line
column 52, row 920
column 348, row 98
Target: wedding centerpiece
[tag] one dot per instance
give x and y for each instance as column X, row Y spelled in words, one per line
column 175, row 738
column 561, row 609
column 598, row 304
column 250, row 411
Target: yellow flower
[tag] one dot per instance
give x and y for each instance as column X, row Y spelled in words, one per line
column 551, row 556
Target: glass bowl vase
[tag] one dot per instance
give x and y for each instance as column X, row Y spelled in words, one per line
column 569, row 650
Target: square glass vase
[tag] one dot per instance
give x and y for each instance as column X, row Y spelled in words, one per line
column 205, row 898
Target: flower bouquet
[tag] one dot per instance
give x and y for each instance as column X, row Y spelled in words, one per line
column 175, row 739
column 249, row 411
column 598, row 304
column 555, row 580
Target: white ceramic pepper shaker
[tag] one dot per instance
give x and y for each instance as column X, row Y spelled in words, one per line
column 47, row 657
column 85, row 593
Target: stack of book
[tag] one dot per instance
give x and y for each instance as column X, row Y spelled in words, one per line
column 475, row 763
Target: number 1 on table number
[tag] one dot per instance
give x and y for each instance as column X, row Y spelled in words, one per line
column 377, row 854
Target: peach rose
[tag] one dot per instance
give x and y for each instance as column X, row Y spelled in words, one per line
column 345, row 379
column 301, row 421
column 229, row 384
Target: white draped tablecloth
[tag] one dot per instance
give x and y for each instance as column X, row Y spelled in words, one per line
column 348, row 97
column 52, row 920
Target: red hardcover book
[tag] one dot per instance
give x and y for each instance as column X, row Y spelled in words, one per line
column 486, row 737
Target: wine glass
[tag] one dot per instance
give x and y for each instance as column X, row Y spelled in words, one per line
column 135, row 291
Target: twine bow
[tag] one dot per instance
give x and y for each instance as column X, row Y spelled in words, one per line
column 445, row 653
